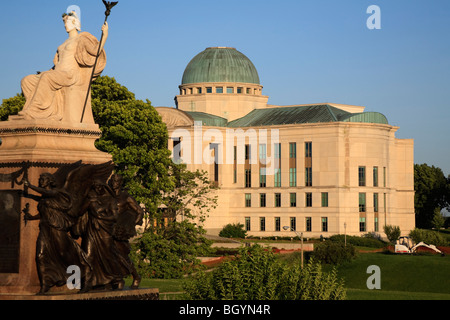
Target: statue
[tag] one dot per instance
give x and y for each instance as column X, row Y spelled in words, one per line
column 130, row 214
column 60, row 93
column 61, row 197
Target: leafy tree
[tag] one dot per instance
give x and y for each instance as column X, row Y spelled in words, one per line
column 11, row 106
column 432, row 191
column 438, row 219
column 392, row 232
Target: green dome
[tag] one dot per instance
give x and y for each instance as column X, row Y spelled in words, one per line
column 220, row 64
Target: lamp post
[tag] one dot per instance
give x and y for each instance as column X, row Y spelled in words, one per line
column 300, row 235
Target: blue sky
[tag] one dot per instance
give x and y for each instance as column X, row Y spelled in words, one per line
column 305, row 52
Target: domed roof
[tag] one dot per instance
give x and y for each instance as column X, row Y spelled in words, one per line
column 220, row 64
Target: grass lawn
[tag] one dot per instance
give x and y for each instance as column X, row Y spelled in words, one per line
column 403, row 277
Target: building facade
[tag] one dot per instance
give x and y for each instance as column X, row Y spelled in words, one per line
column 320, row 169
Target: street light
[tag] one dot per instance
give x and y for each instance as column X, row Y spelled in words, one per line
column 300, row 235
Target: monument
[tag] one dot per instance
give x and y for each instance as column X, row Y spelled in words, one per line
column 56, row 207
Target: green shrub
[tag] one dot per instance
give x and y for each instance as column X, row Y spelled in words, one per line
column 256, row 274
column 332, row 252
column 366, row 241
column 392, row 232
column 233, row 231
column 429, row 237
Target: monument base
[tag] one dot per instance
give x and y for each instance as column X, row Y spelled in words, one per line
column 135, row 294
column 29, row 148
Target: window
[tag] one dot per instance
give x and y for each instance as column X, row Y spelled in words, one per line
column 248, row 152
column 384, row 177
column 308, row 150
column 362, row 224
column 235, row 175
column 293, row 223
column 199, row 90
column 262, row 177
column 248, row 200
column 292, row 150
column 248, row 178
column 262, row 224
column 293, row 199
column 230, row 90
column 308, row 199
column 308, row 224
column 375, row 202
column 384, row 202
column 375, row 226
column 262, row 200
column 277, row 224
column 277, row 200
column 308, row 177
column 362, row 202
column 262, row 153
column 219, row 90
column 277, row 177
column 247, row 224
column 362, row 176
column 324, row 199
column 292, row 177
column 239, row 90
column 208, row 89
column 324, row 224
column 277, row 150
column 375, row 176
column 176, row 150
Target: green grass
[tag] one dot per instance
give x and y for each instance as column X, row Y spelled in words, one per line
column 403, row 277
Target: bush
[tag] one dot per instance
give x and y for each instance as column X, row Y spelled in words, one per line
column 392, row 232
column 332, row 252
column 256, row 274
column 366, row 241
column 233, row 231
column 429, row 237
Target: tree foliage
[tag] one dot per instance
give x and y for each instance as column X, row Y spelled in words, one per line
column 432, row 191
column 233, row 230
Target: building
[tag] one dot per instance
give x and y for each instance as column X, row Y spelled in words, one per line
column 320, row 169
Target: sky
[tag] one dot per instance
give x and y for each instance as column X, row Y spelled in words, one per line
column 304, row 51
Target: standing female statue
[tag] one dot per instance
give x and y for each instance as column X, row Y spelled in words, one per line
column 60, row 93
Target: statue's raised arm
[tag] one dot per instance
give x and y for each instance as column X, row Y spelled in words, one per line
column 60, row 93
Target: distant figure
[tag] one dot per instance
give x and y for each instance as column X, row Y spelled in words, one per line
column 60, row 93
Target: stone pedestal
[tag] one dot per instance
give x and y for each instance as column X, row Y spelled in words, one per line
column 28, row 149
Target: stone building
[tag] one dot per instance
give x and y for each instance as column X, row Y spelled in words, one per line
column 320, row 169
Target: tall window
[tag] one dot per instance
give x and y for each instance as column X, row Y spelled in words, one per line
column 248, row 178
column 293, row 223
column 293, row 199
column 309, row 199
column 375, row 176
column 362, row 176
column 262, row 200
column 262, row 178
column 292, row 177
column 248, row 200
column 247, row 224
column 308, row 224
column 376, row 225
column 375, row 202
column 277, row 224
column 277, row 177
column 292, row 150
column 248, row 152
column 277, row 150
column 362, row 224
column 262, row 153
column 262, row 224
column 362, row 202
column 176, row 150
column 308, row 177
column 324, row 199
column 324, row 224
column 384, row 177
column 308, row 150
column 277, row 200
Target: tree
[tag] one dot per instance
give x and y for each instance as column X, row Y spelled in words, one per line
column 392, row 232
column 431, row 187
column 438, row 219
column 11, row 106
